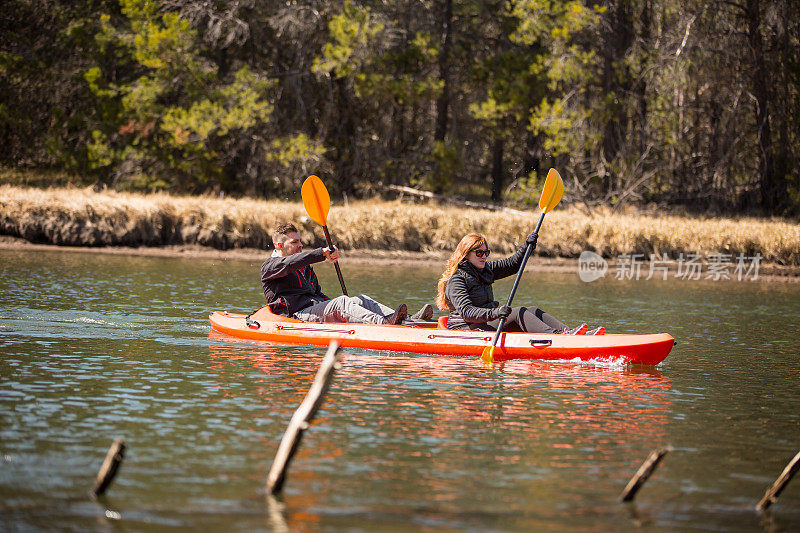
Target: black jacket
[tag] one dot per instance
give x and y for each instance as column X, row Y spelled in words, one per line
column 469, row 290
column 290, row 283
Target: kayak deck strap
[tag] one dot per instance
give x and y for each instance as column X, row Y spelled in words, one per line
column 326, row 330
column 461, row 337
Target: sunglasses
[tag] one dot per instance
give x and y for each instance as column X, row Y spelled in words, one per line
column 482, row 253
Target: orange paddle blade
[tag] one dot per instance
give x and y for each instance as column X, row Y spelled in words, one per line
column 552, row 192
column 316, row 199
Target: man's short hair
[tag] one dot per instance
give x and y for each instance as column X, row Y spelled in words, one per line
column 280, row 232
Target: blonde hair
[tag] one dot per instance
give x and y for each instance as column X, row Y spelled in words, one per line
column 471, row 241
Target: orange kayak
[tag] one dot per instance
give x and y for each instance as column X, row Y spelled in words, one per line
column 435, row 338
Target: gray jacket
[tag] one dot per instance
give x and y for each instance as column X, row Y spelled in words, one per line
column 469, row 291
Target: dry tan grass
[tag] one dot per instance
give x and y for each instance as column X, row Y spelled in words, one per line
column 84, row 217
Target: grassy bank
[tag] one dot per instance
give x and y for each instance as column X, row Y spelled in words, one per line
column 82, row 217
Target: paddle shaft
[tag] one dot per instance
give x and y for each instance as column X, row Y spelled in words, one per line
column 336, row 264
column 528, row 251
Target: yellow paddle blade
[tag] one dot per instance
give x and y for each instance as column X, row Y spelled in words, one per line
column 488, row 355
column 316, row 199
column 552, row 192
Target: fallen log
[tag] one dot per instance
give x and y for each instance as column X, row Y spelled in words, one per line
column 449, row 199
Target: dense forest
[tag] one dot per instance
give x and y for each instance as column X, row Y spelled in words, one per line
column 687, row 103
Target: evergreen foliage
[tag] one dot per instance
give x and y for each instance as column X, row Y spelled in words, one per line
column 677, row 102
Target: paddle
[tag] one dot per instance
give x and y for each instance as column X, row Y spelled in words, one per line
column 317, row 202
column 551, row 195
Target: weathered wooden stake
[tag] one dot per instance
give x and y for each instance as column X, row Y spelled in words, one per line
column 301, row 418
column 109, row 468
column 775, row 490
column 641, row 475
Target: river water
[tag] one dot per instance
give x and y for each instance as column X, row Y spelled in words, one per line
column 94, row 347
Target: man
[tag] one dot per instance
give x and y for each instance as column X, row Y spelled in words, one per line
column 292, row 289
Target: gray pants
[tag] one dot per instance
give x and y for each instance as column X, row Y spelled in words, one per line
column 361, row 309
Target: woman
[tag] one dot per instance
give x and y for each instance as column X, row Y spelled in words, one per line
column 465, row 288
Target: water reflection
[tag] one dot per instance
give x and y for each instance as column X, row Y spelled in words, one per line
column 120, row 347
column 285, row 377
column 415, row 428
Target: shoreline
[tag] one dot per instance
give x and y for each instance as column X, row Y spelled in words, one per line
column 394, row 231
column 767, row 272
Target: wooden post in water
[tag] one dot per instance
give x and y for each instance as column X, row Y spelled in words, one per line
column 109, row 468
column 775, row 490
column 301, row 418
column 641, row 475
